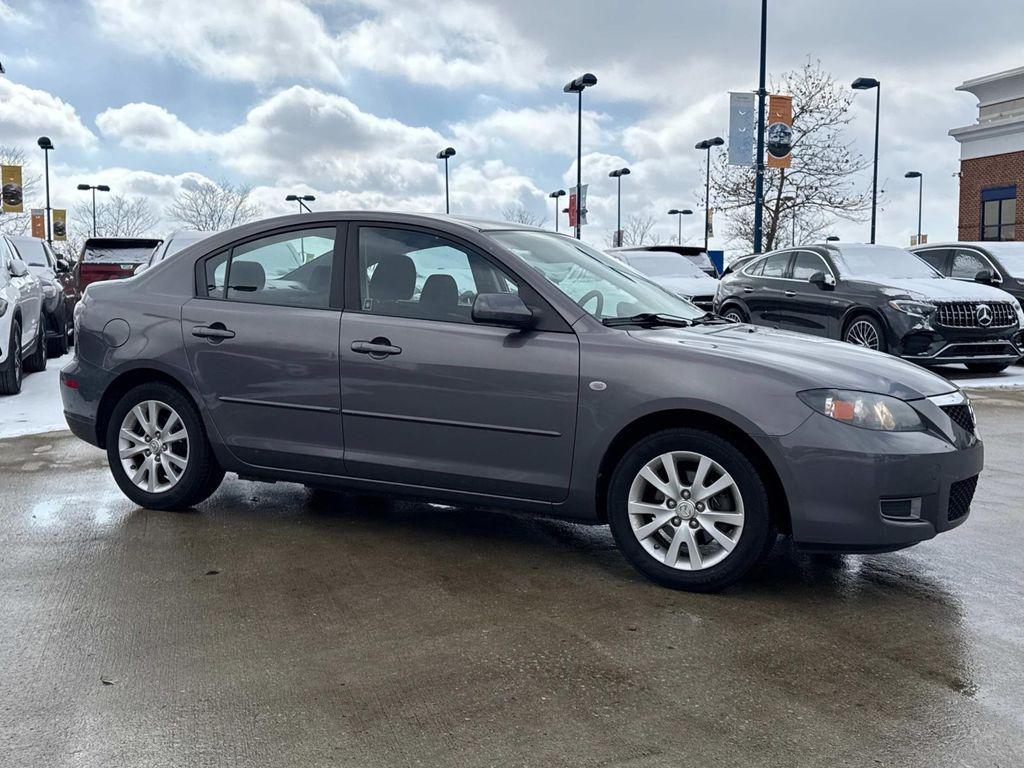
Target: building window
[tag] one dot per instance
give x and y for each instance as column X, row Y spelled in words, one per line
column 998, row 213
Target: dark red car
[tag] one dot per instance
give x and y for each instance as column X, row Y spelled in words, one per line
column 111, row 258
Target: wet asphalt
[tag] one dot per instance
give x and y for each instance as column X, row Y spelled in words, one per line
column 275, row 626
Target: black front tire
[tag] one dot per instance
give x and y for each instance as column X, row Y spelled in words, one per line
column 201, row 477
column 879, row 329
column 735, row 314
column 10, row 371
column 987, row 367
column 57, row 345
column 759, row 531
column 36, row 362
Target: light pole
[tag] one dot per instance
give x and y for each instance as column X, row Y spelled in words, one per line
column 301, row 200
column 617, row 175
column 920, row 196
column 94, row 188
column 707, row 144
column 46, row 145
column 577, row 86
column 679, row 213
column 554, row 196
column 759, row 165
column 444, row 154
column 866, row 84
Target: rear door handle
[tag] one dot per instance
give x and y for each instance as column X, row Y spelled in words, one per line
column 791, row 293
column 214, row 332
column 378, row 348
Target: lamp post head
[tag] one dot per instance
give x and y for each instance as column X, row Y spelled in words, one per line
column 912, row 175
column 308, row 198
column 679, row 211
column 620, row 172
column 45, row 143
column 445, row 153
column 581, row 82
column 291, row 198
column 864, row 84
column 103, row 188
column 557, row 194
column 716, row 141
column 84, row 187
column 832, row 239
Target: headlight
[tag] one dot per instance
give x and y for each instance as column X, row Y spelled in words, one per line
column 863, row 409
column 916, row 308
column 1020, row 314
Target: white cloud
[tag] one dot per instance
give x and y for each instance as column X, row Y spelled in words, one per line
column 27, row 113
column 149, row 128
column 538, row 129
column 10, row 16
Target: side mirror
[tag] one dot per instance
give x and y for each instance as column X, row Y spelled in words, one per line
column 987, row 277
column 501, row 309
column 18, row 268
column 823, row 280
column 62, row 266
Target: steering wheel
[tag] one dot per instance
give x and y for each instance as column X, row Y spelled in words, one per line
column 595, row 294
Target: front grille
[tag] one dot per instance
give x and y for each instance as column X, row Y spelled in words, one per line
column 962, row 415
column 966, row 314
column 961, row 494
column 980, row 349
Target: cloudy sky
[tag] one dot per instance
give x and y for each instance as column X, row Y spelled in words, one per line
column 351, row 99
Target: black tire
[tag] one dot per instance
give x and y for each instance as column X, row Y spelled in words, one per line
column 36, row 361
column 883, row 345
column 202, row 475
column 987, row 367
column 10, row 371
column 57, row 346
column 758, row 534
column 735, row 314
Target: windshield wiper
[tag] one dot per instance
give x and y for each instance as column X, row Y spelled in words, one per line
column 648, row 320
column 710, row 318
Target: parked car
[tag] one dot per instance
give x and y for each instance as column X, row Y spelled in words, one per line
column 47, row 267
column 1000, row 264
column 176, row 241
column 675, row 273
column 739, row 263
column 696, row 255
column 22, row 340
column 111, row 258
column 498, row 364
column 880, row 297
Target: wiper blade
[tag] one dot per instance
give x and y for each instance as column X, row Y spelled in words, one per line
column 710, row 318
column 648, row 320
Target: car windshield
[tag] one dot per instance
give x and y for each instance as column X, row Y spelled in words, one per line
column 880, row 261
column 590, row 278
column 32, row 254
column 1010, row 255
column 664, row 265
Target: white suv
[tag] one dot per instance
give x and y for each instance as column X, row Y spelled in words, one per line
column 44, row 264
column 22, row 335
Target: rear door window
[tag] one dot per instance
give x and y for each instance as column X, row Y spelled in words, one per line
column 775, row 265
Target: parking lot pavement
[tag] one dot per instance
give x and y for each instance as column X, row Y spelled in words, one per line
column 275, row 626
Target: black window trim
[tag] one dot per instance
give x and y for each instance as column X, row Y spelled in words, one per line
column 821, row 258
column 334, row 303
column 981, row 254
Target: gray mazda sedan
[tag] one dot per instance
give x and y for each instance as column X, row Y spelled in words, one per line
column 493, row 364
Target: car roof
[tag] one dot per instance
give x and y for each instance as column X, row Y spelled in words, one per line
column 682, row 250
column 995, row 246
column 190, row 234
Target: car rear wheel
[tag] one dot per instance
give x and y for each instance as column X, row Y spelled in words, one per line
column 158, row 450
column 689, row 510
column 987, row 367
column 735, row 314
column 10, row 371
column 865, row 331
column 37, row 360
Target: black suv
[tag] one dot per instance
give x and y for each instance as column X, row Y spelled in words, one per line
column 880, row 297
column 991, row 263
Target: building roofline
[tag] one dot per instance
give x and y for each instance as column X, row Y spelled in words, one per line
column 967, row 85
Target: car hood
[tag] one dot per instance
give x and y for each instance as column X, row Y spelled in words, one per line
column 942, row 289
column 689, row 286
column 807, row 362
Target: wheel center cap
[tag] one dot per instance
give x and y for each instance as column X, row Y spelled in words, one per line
column 686, row 510
column 155, row 446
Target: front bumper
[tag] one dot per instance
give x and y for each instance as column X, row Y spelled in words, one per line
column 858, row 490
column 926, row 344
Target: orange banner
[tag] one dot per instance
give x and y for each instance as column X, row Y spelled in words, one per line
column 780, row 130
column 39, row 223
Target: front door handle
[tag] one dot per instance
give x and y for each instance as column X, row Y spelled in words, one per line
column 378, row 348
column 214, row 332
column 747, row 289
column 790, row 293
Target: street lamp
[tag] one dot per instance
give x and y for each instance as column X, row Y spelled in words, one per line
column 618, row 219
column 759, row 165
column 832, row 239
column 920, row 196
column 866, row 84
column 577, row 86
column 444, row 154
column 46, row 145
column 554, row 196
column 707, row 144
column 301, row 200
column 679, row 213
column 94, row 188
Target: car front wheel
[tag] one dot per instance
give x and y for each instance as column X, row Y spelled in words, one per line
column 736, row 315
column 36, row 361
column 158, row 451
column 10, row 371
column 689, row 510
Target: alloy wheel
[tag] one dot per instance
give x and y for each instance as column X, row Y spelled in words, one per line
column 863, row 334
column 153, row 445
column 686, row 510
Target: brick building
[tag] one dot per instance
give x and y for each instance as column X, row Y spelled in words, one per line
column 992, row 159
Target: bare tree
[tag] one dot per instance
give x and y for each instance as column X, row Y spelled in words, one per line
column 116, row 216
column 209, row 206
column 821, row 182
column 519, row 214
column 636, row 230
column 19, row 223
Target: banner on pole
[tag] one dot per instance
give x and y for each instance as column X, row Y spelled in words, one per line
column 13, row 192
column 60, row 224
column 711, row 223
column 39, row 223
column 577, row 206
column 780, row 130
column 741, row 129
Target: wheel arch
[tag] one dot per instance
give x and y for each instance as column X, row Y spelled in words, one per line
column 856, row 311
column 734, row 302
column 693, row 419
column 126, row 381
